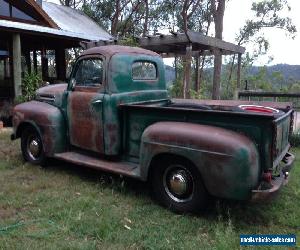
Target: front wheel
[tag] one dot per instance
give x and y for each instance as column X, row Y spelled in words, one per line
column 177, row 184
column 32, row 146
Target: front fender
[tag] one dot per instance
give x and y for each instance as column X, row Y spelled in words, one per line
column 47, row 119
column 227, row 161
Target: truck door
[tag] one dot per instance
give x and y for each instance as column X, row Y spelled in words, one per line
column 85, row 105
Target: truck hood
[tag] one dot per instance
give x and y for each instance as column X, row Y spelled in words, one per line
column 52, row 89
column 51, row 94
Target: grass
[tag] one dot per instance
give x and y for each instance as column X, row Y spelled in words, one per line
column 69, row 207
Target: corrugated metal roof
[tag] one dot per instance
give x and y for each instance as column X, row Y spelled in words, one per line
column 75, row 21
column 72, row 23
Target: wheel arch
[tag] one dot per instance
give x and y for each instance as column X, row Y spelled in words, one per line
column 24, row 125
column 165, row 156
column 47, row 119
column 227, row 161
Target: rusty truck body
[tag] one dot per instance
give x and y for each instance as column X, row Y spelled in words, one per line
column 115, row 115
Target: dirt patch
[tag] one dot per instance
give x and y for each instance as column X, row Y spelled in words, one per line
column 6, row 213
column 6, row 130
column 26, row 179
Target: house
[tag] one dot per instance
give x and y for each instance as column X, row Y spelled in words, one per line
column 34, row 36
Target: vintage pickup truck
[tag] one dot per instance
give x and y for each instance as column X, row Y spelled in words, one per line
column 115, row 115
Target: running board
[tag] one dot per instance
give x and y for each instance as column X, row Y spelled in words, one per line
column 117, row 167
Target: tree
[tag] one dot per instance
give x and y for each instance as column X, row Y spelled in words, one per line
column 129, row 18
column 267, row 15
column 217, row 10
column 72, row 3
column 188, row 9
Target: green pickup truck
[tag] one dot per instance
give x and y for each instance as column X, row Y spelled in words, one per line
column 115, row 115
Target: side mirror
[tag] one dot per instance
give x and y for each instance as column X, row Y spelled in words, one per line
column 72, row 84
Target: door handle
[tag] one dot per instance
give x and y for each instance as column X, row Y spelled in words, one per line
column 97, row 101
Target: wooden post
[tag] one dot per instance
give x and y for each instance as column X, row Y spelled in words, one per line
column 35, row 61
column 197, row 73
column 238, row 81
column 187, row 72
column 45, row 70
column 6, row 68
column 7, row 59
column 217, row 74
column 28, row 60
column 60, row 62
column 175, row 64
column 17, row 68
column 239, row 72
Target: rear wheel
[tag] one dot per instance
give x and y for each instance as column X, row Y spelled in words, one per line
column 177, row 184
column 32, row 146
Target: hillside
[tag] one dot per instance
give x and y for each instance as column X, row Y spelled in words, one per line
column 290, row 73
column 287, row 71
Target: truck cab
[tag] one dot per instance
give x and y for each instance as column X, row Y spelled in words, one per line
column 115, row 115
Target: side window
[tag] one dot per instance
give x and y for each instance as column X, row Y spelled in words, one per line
column 143, row 70
column 89, row 72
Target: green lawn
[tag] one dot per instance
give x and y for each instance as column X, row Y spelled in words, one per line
column 69, row 207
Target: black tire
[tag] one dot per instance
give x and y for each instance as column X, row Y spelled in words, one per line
column 168, row 176
column 32, row 146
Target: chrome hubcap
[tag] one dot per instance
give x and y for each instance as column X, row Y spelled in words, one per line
column 33, row 148
column 178, row 183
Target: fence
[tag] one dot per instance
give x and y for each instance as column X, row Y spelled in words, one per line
column 271, row 96
column 275, row 97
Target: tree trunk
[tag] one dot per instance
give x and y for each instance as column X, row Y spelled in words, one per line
column 145, row 28
column 217, row 74
column 115, row 19
column 218, row 13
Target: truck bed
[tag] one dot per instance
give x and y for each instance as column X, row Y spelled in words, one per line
column 266, row 130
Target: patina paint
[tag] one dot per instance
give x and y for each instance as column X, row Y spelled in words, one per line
column 133, row 121
column 85, row 119
column 228, row 161
column 52, row 94
column 122, row 89
column 120, row 74
column 257, row 127
column 47, row 119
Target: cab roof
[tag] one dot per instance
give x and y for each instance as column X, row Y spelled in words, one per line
column 110, row 50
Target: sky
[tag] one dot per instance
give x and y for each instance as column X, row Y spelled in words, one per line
column 283, row 49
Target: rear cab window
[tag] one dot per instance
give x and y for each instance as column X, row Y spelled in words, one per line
column 144, row 70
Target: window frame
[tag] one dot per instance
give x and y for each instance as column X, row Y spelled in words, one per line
column 141, row 79
column 87, row 88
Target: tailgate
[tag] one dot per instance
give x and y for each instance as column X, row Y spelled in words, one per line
column 282, row 128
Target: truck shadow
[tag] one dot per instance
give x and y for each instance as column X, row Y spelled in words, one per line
column 238, row 212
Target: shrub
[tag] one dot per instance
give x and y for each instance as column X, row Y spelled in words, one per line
column 31, row 82
column 295, row 139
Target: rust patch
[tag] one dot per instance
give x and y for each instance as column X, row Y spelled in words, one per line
column 86, row 129
column 232, row 103
column 119, row 167
column 207, row 138
column 40, row 113
column 112, row 130
column 52, row 89
column 111, row 50
column 227, row 160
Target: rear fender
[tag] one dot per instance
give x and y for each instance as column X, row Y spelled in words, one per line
column 46, row 119
column 227, row 161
